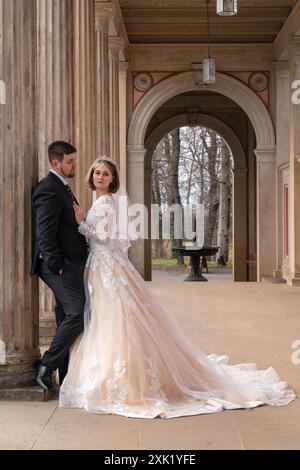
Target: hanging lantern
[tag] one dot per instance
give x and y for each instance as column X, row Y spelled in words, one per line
column 209, row 70
column 226, row 7
column 208, row 64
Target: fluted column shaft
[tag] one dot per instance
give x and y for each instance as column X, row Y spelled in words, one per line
column 115, row 45
column 54, row 95
column 123, row 79
column 240, row 225
column 84, row 114
column 102, row 80
column 18, row 175
column 282, row 91
column 266, row 211
column 294, row 184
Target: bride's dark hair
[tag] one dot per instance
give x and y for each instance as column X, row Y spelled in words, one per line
column 115, row 184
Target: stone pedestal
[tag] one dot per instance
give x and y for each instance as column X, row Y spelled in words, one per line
column 19, row 321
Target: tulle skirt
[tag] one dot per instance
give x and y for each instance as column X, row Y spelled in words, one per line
column 133, row 360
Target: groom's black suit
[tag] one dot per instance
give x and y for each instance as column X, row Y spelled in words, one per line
column 58, row 245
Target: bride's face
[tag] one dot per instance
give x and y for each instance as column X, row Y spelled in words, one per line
column 102, row 177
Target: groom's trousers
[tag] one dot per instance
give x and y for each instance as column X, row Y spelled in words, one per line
column 68, row 289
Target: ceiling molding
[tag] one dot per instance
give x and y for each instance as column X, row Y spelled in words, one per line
column 290, row 28
column 177, row 21
column 113, row 11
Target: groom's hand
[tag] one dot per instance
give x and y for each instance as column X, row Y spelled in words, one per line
column 79, row 213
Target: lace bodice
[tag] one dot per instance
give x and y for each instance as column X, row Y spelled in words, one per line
column 100, row 224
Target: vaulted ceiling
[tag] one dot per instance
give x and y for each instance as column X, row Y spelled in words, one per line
column 185, row 21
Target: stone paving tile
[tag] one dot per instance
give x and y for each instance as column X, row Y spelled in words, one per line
column 22, row 422
column 212, row 431
column 270, row 428
column 247, row 321
column 77, row 429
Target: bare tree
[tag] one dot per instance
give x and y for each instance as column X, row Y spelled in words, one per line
column 224, row 207
column 209, row 140
column 188, row 167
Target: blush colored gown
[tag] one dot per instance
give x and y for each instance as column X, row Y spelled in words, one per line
column 133, row 360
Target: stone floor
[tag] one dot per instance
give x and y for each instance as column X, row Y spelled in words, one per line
column 179, row 273
column 248, row 321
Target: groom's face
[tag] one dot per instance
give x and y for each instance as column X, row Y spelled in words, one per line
column 67, row 167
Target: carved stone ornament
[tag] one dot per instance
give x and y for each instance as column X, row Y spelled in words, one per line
column 143, row 81
column 258, row 81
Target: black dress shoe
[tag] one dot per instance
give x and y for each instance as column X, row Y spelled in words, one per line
column 44, row 377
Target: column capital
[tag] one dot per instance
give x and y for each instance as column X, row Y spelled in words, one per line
column 136, row 154
column 116, row 44
column 109, row 18
column 294, row 41
column 281, row 68
column 266, row 154
column 104, row 13
column 294, row 46
column 123, row 67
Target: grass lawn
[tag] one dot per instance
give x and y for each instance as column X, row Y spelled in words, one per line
column 165, row 262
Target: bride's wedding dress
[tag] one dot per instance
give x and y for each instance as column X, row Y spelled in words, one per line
column 134, row 361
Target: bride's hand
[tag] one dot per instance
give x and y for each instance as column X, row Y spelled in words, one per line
column 79, row 213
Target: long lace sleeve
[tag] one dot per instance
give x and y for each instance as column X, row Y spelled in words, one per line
column 100, row 224
column 88, row 230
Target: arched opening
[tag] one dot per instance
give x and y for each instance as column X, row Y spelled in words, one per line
column 244, row 122
column 244, row 212
column 193, row 166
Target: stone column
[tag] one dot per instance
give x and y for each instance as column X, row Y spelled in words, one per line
column 282, row 92
column 84, row 96
column 102, row 80
column 294, row 185
column 123, row 77
column 136, row 192
column 18, row 175
column 251, row 204
column 266, row 211
column 115, row 46
column 240, row 242
column 54, row 107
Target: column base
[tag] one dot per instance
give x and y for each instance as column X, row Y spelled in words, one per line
column 294, row 282
column 18, row 371
column 266, row 278
column 278, row 273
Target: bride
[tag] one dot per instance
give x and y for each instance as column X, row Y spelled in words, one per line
column 132, row 359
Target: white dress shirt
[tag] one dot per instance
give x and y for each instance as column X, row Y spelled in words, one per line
column 60, row 177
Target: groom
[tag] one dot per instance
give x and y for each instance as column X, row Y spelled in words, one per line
column 59, row 257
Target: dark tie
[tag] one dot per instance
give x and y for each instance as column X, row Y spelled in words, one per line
column 71, row 194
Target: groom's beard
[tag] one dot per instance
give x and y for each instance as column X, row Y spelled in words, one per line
column 69, row 175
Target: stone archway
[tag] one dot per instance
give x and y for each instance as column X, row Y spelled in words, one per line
column 240, row 241
column 265, row 153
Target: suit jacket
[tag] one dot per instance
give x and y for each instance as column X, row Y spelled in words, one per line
column 56, row 235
